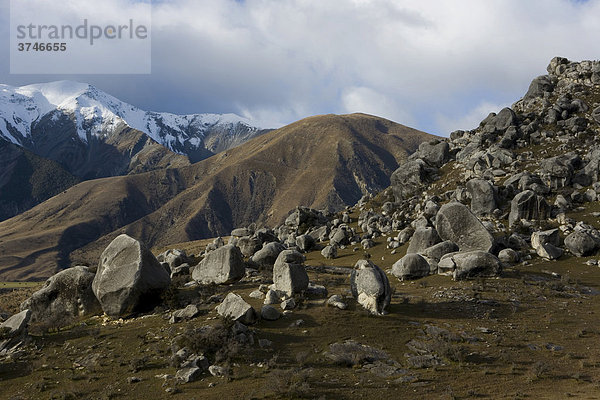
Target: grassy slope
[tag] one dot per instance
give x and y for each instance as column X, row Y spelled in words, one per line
column 513, row 322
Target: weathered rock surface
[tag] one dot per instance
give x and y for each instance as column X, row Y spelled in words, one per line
column 265, row 257
column 220, row 266
column 129, row 277
column 422, row 239
column 64, row 298
column 289, row 273
column 529, row 206
column 236, row 309
column 483, row 196
column 16, row 324
column 455, row 222
column 329, row 252
column 411, row 266
column 470, row 264
column 581, row 243
column 269, row 313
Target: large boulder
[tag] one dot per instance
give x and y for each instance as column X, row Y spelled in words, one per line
column 236, row 309
column 129, row 277
column 173, row 258
column 221, row 266
column 471, row 264
column 370, row 287
column 64, row 298
column 249, row 245
column 434, row 153
column 455, row 222
column 409, row 179
column 529, row 206
column 539, row 86
column 411, row 266
column 305, row 242
column 265, row 257
column 483, row 196
column 581, row 243
column 497, row 123
column 546, row 243
column 558, row 171
column 422, row 239
column 289, row 273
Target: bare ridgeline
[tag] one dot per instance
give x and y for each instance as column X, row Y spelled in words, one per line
column 490, row 222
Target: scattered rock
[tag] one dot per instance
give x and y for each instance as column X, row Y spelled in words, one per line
column 288, row 304
column 329, row 252
column 471, row 264
column 16, row 325
column 236, row 309
column 508, row 256
column 422, row 239
column 528, row 206
column 265, row 257
column 581, row 243
column 337, row 301
column 269, row 313
column 189, row 312
column 483, row 196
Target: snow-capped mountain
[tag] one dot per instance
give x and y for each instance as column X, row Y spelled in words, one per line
column 32, row 113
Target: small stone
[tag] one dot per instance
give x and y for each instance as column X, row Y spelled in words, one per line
column 288, row 304
column 269, row 313
column 218, row 371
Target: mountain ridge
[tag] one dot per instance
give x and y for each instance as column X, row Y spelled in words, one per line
column 324, row 162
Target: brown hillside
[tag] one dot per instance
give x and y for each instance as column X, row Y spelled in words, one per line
column 324, row 162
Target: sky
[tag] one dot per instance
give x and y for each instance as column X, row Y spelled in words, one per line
column 435, row 65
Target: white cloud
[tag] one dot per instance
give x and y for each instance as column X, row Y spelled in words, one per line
column 431, row 64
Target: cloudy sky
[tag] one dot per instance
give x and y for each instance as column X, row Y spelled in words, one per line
column 436, row 65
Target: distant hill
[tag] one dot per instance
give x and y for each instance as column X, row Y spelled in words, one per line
column 325, row 161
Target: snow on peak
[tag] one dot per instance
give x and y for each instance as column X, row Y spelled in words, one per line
column 97, row 113
column 56, row 93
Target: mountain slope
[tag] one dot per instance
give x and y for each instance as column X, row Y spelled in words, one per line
column 27, row 179
column 326, row 162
